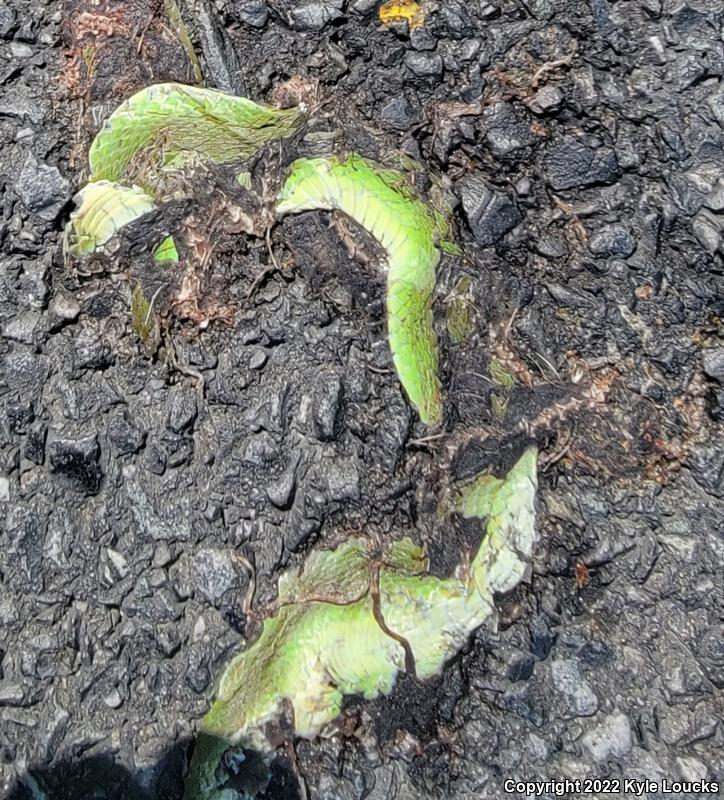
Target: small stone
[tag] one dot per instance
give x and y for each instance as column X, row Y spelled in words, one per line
column 398, row 114
column 457, row 21
column 76, row 462
column 326, row 397
column 7, row 21
column 422, row 39
column 252, row 12
column 470, row 49
column 546, row 100
column 521, row 667
column 707, row 467
column 523, row 187
column 424, row 64
column 716, row 104
column 687, row 198
column 551, row 246
column 214, row 572
column 490, row 213
column 115, row 567
column 715, row 200
column 198, row 678
column 113, row 699
column 610, row 739
column 42, row 189
column 691, row 769
column 708, row 231
column 258, row 358
column 168, row 640
column 507, row 129
column 64, row 306
column 12, row 694
column 714, row 363
column 23, row 327
column 260, row 449
column 572, row 163
column 180, row 408
column 542, row 637
column 19, row 50
column 524, row 701
column 343, row 479
column 125, row 435
column 34, row 445
column 577, row 697
column 161, row 555
column 281, row 491
column 92, row 350
column 313, row 15
column 363, row 7
column 4, row 489
column 21, row 107
column 612, row 240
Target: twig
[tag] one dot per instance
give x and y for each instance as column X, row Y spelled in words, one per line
column 549, row 66
column 247, row 602
column 547, row 463
column 270, row 269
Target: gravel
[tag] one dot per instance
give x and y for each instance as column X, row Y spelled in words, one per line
column 424, row 64
column 574, row 163
column 41, row 188
column 489, row 213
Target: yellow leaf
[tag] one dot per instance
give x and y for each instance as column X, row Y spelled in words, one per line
column 402, row 11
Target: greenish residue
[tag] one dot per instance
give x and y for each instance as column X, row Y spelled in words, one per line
column 502, row 378
column 352, row 619
column 142, row 316
column 176, row 21
column 499, row 405
column 166, row 251
column 458, row 310
column 500, row 375
column 244, row 179
column 382, row 201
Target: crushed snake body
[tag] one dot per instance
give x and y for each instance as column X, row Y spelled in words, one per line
column 381, row 201
column 352, row 619
column 158, row 134
column 349, row 621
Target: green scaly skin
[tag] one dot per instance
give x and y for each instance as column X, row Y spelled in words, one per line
column 172, row 120
column 160, row 133
column 325, row 640
column 411, row 233
column 102, row 209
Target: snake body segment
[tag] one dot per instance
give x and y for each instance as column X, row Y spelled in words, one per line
column 348, row 620
column 169, row 119
column 102, row 209
column 164, row 130
column 381, row 202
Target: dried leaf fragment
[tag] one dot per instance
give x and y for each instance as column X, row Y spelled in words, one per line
column 402, row 11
